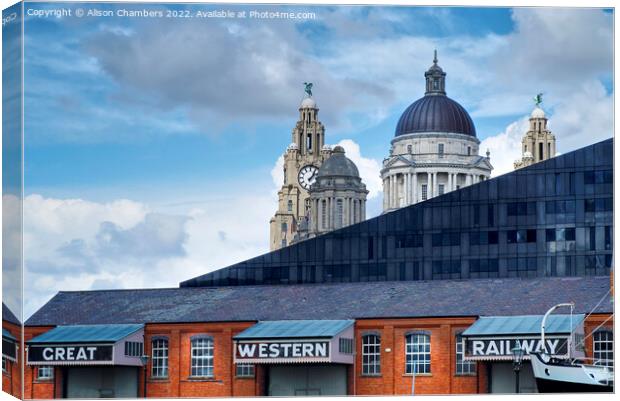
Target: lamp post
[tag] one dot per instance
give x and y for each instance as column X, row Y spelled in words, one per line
column 517, row 360
column 145, row 360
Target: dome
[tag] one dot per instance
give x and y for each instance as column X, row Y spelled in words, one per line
column 338, row 165
column 537, row 113
column 435, row 113
column 308, row 103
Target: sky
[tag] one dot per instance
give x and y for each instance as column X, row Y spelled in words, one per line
column 153, row 145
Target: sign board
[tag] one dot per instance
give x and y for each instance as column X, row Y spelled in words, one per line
column 500, row 348
column 69, row 354
column 9, row 349
column 278, row 351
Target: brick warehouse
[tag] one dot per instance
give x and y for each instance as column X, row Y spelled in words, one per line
column 397, row 297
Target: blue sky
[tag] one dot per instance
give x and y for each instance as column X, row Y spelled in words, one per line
column 165, row 133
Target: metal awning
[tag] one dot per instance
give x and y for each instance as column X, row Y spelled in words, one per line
column 494, row 337
column 296, row 341
column 97, row 344
column 6, row 334
column 95, row 333
column 294, row 329
column 529, row 324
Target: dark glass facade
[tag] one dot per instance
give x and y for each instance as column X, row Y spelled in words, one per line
column 554, row 218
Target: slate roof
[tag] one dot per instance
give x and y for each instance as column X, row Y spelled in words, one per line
column 104, row 333
column 9, row 316
column 295, row 329
column 482, row 297
column 505, row 325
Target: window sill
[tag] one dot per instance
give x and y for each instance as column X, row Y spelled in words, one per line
column 44, row 381
column 418, row 375
column 159, row 380
column 244, row 377
column 368, row 376
column 201, row 379
column 465, row 374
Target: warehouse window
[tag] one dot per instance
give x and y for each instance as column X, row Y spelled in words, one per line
column 134, row 348
column 371, row 354
column 159, row 357
column 202, row 357
column 418, row 353
column 463, row 367
column 45, row 373
column 603, row 347
column 245, row 370
column 345, row 345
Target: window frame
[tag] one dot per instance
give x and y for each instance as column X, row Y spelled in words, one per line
column 245, row 370
column 372, row 350
column 609, row 339
column 207, row 368
column 162, row 363
column 460, row 364
column 45, row 368
column 410, row 353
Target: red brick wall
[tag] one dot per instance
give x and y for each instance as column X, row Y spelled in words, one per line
column 393, row 380
column 12, row 378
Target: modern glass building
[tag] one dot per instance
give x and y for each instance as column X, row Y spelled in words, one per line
column 554, row 218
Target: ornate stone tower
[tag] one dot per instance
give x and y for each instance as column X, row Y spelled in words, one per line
column 302, row 161
column 538, row 143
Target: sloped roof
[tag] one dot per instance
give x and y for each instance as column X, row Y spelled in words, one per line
column 295, row 329
column 437, row 298
column 530, row 324
column 95, row 333
column 8, row 315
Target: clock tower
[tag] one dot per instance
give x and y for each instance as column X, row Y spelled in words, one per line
column 302, row 160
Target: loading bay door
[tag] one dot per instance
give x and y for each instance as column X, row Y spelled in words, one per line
column 307, row 380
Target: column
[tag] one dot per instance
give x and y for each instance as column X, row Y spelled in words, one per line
column 406, row 189
column 415, row 188
column 435, row 185
column 385, row 193
column 449, row 188
column 428, row 185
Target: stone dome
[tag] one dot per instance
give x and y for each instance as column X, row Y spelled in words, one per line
column 308, row 103
column 435, row 113
column 338, row 165
column 537, row 113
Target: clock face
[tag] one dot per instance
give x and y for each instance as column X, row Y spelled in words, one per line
column 307, row 176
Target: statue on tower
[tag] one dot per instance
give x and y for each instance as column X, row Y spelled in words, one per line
column 308, row 88
column 538, row 99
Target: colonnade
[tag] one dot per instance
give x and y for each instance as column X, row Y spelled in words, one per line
column 407, row 188
column 330, row 213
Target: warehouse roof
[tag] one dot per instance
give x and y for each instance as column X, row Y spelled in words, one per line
column 438, row 298
column 8, row 315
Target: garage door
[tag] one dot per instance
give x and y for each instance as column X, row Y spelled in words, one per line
column 102, row 382
column 304, row 380
column 503, row 378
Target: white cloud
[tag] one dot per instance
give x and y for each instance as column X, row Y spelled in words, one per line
column 505, row 146
column 74, row 244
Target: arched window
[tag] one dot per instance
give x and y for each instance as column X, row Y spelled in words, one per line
column 159, row 357
column 603, row 348
column 202, row 356
column 290, row 205
column 371, row 354
column 418, row 353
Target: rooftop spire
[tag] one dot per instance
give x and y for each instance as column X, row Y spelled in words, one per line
column 435, row 79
